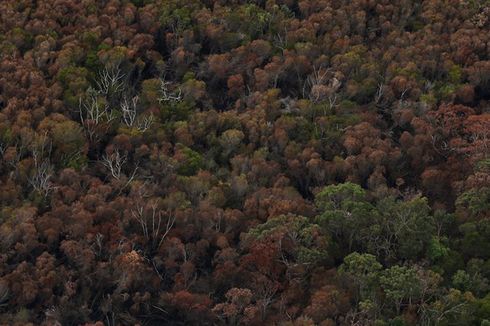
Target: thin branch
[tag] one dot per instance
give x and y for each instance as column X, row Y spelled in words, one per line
column 167, row 95
column 110, row 81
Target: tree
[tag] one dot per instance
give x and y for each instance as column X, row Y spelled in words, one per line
column 300, row 241
column 238, row 309
column 231, row 139
column 400, row 285
column 452, row 307
column 409, row 224
column 327, row 303
column 67, row 140
column 189, row 161
column 364, row 270
column 345, row 213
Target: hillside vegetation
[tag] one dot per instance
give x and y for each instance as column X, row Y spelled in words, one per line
column 232, row 162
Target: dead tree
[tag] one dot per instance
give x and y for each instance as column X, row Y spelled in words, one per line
column 110, row 81
column 168, row 95
column 115, row 162
column 95, row 115
column 40, row 180
column 155, row 223
column 130, row 115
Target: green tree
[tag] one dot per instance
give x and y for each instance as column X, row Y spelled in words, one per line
column 408, row 226
column 189, row 161
column 364, row 270
column 476, row 202
column 453, row 308
column 75, row 80
column 400, row 285
column 345, row 214
column 301, row 240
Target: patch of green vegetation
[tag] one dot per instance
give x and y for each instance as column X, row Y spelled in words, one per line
column 429, row 99
column 455, row 73
column 7, row 49
column 193, row 161
column 75, row 81
column 6, row 136
column 445, row 91
column 175, row 17
column 22, row 38
column 76, row 161
column 410, row 71
column 92, row 61
column 249, row 20
column 176, row 110
column 307, row 252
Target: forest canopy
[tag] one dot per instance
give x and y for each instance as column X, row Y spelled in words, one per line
column 232, row 162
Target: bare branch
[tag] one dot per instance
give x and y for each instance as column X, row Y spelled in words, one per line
column 318, row 87
column 145, row 123
column 155, row 224
column 110, row 81
column 114, row 163
column 129, row 110
column 41, row 178
column 4, row 295
column 167, row 94
column 93, row 113
column 130, row 115
column 379, row 93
